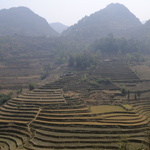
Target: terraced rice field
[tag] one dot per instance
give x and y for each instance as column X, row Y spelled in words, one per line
column 116, row 71
column 44, row 119
column 16, row 73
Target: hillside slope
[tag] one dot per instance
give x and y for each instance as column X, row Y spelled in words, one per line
column 115, row 19
column 22, row 21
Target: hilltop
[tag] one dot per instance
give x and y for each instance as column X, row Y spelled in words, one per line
column 115, row 19
column 23, row 21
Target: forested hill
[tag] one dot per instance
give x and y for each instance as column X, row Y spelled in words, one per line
column 115, row 19
column 23, row 21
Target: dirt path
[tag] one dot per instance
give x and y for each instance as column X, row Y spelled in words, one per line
column 29, row 128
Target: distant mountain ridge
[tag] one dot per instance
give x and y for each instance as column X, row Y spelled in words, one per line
column 115, row 19
column 23, row 21
column 59, row 27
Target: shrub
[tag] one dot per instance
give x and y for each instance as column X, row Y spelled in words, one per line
column 5, row 97
column 44, row 75
column 32, row 86
column 104, row 80
column 123, row 91
column 19, row 91
column 138, row 94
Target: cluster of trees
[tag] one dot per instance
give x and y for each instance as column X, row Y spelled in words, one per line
column 130, row 48
column 58, row 49
column 81, row 60
column 112, row 45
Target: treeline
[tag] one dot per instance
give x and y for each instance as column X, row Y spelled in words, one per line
column 113, row 46
column 62, row 50
column 130, row 49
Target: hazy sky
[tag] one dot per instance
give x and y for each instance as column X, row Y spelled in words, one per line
column 70, row 12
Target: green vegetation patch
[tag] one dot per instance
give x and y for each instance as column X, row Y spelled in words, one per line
column 5, row 97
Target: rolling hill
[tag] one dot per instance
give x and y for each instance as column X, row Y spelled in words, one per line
column 115, row 19
column 23, row 21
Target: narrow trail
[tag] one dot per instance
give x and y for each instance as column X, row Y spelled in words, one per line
column 32, row 133
column 29, row 128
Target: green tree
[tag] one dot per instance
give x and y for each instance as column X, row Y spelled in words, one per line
column 81, row 60
column 32, row 86
column 123, row 91
column 138, row 94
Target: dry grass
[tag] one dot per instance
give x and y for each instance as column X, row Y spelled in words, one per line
column 72, row 94
column 106, row 108
column 127, row 107
column 112, row 91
